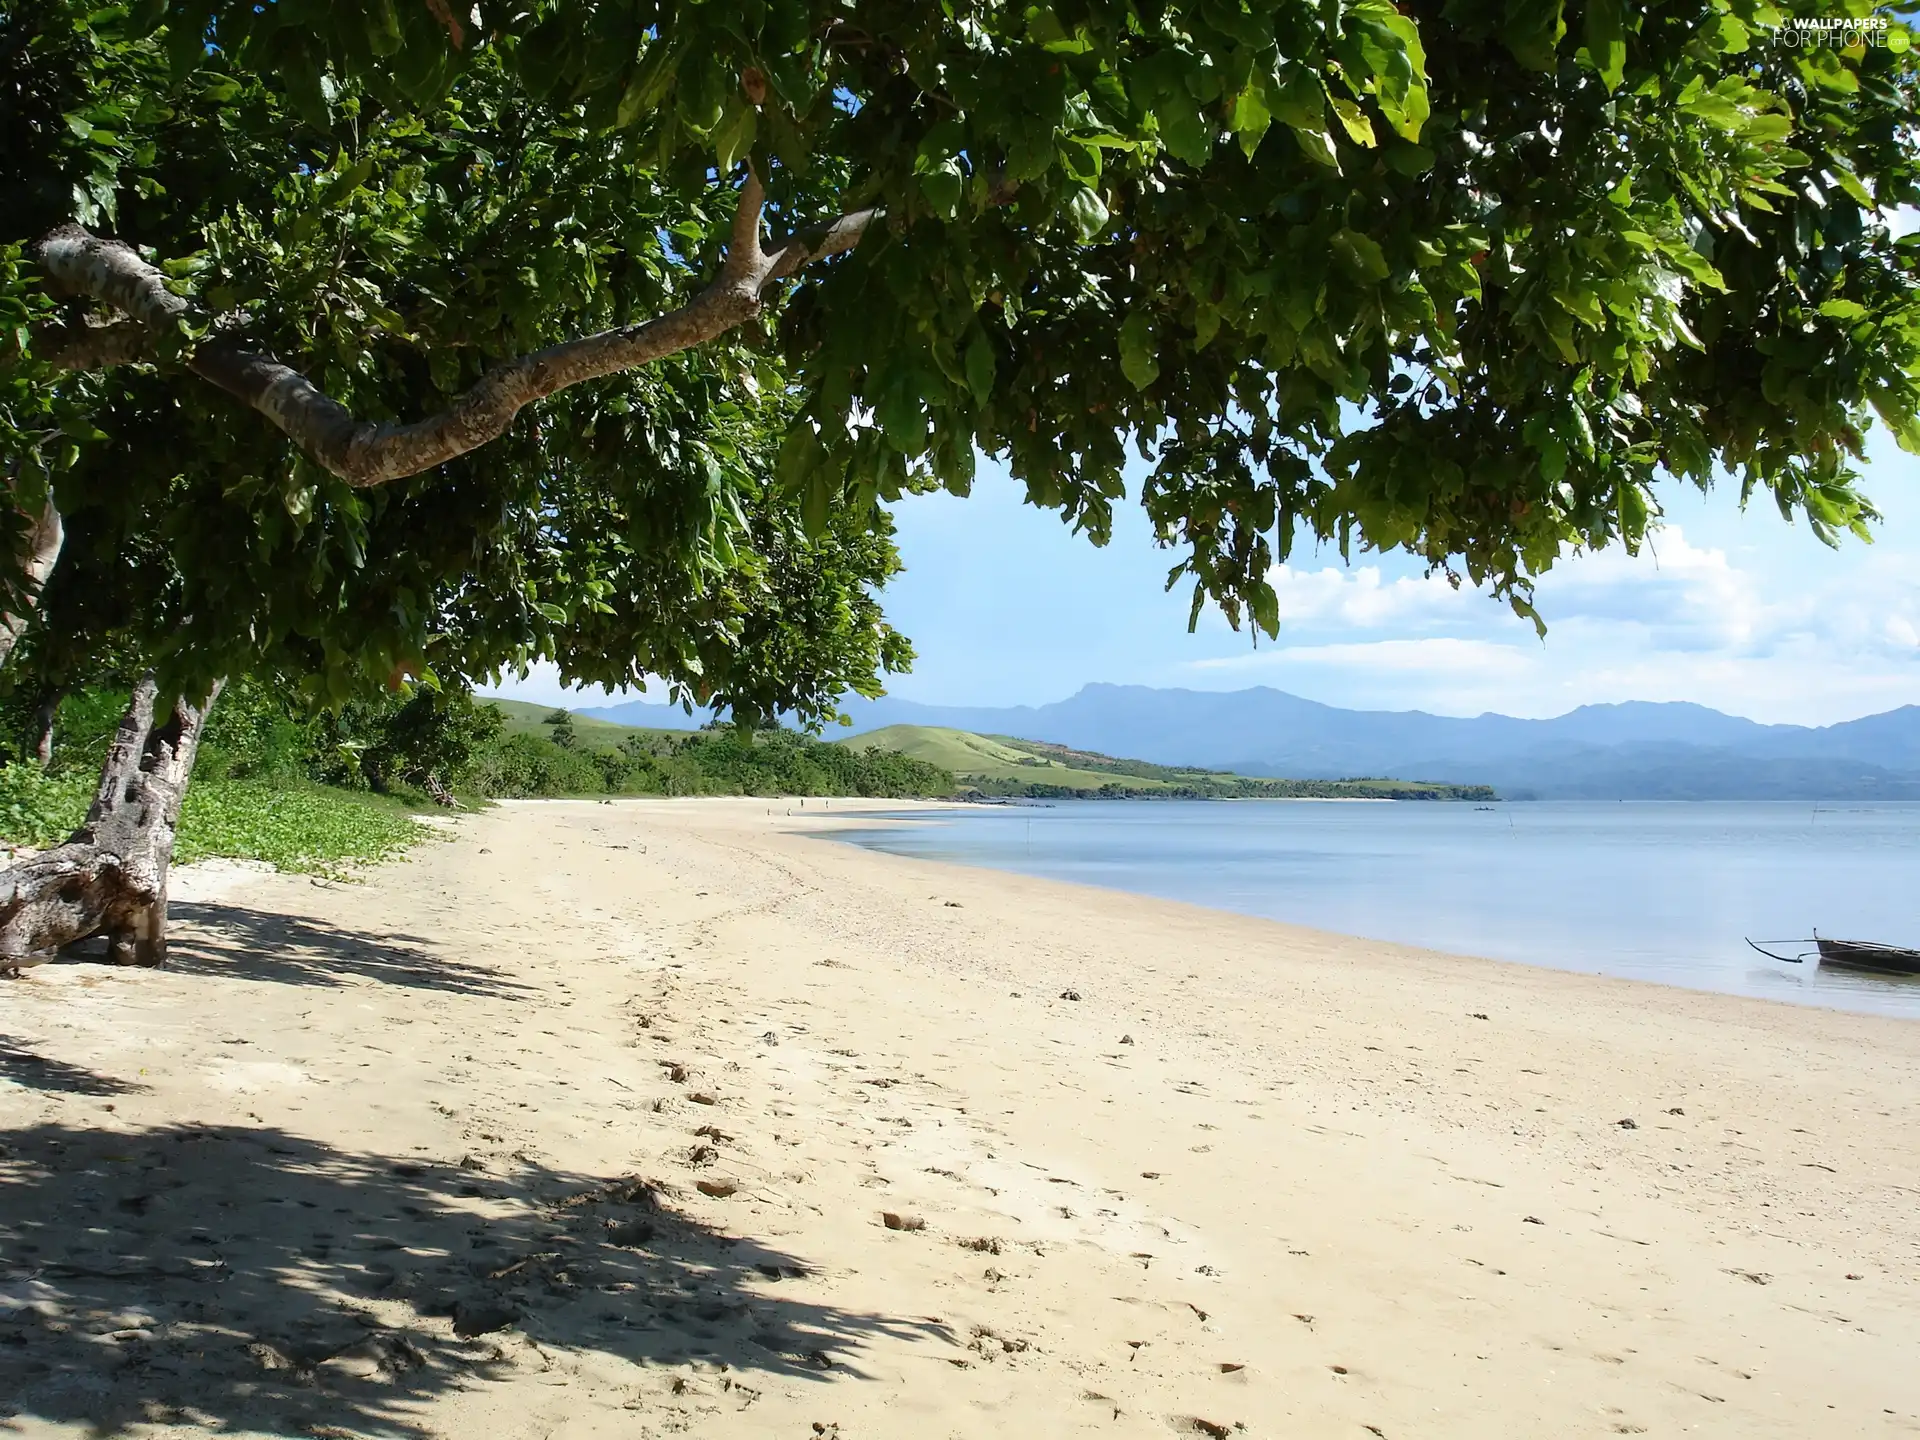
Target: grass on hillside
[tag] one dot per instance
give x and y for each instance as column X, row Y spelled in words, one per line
column 296, row 826
column 986, row 757
column 1003, row 765
column 525, row 718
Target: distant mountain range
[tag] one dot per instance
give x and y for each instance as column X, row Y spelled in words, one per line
column 1630, row 751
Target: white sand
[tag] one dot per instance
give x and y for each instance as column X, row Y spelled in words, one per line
column 1314, row 1196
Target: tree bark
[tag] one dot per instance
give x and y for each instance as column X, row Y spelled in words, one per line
column 45, row 712
column 44, row 539
column 111, row 875
column 363, row 452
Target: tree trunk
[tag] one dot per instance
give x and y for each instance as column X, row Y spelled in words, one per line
column 44, row 539
column 44, row 714
column 111, row 875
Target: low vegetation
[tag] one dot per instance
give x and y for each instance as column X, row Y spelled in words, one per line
column 316, row 793
column 999, row 765
column 554, row 752
column 296, row 825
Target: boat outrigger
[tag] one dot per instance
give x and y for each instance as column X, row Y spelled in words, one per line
column 1850, row 954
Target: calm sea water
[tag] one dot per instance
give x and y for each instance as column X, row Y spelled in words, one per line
column 1653, row 891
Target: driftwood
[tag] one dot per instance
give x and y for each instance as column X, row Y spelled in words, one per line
column 111, row 875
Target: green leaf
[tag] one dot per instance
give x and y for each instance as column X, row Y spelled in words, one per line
column 734, row 135
column 1185, row 131
column 1354, row 121
column 901, row 416
column 1728, row 35
column 801, row 454
column 1844, row 310
column 943, row 185
column 1251, row 117
column 341, row 189
column 1139, row 361
column 383, row 32
column 1265, row 605
column 1552, row 450
column 1361, row 254
column 1533, row 31
column 816, row 503
column 1088, row 213
column 1318, row 145
column 1848, row 181
column 1582, row 305
column 1606, row 37
column 980, row 367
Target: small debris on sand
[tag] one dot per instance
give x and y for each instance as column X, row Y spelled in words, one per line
column 894, row 1220
column 482, row 1315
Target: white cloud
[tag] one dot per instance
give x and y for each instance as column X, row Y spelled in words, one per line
column 1361, row 599
column 541, row 685
column 1816, row 641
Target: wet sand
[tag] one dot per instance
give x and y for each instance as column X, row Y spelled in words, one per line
column 588, row 1121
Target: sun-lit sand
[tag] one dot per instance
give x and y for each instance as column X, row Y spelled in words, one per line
column 589, row 1121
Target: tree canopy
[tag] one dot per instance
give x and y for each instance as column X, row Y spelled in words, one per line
column 538, row 303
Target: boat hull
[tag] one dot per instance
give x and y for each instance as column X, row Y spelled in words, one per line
column 1860, row 955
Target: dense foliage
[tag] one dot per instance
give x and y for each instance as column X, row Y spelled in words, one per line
column 1144, row 780
column 290, row 824
column 725, row 761
column 633, row 531
column 1465, row 279
column 264, row 742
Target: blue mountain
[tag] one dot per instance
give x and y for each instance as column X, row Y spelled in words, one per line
column 1636, row 750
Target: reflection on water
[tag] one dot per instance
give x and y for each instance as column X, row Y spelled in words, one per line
column 1652, row 890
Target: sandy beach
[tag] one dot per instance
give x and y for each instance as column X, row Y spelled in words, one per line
column 673, row 1118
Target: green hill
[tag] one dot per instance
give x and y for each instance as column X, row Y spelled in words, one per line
column 980, row 757
column 1003, row 765
column 526, row 718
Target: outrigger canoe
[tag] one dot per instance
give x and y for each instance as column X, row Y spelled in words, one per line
column 1851, row 954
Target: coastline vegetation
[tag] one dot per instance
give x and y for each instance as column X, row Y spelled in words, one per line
column 315, row 793
column 1002, row 766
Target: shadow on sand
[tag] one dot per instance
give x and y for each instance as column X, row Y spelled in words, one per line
column 231, row 1278
column 34, row 1071
column 296, row 950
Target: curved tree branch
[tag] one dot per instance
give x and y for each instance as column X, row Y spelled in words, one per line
column 363, row 452
column 81, row 346
column 44, row 538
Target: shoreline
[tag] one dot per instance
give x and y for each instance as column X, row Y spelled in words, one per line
column 650, row 1075
column 1849, row 993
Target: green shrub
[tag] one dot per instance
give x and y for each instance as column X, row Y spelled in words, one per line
column 296, row 826
column 293, row 825
column 41, row 810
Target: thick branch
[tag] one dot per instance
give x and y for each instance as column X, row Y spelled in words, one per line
column 44, row 538
column 94, row 347
column 366, row 453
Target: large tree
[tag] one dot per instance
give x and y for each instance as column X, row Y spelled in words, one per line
column 1467, row 279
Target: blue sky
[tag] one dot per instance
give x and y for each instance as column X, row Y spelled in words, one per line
column 1741, row 612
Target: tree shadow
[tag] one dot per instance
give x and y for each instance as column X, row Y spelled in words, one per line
column 35, row 1071
column 233, row 1278
column 297, row 950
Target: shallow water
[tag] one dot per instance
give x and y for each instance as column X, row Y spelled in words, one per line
column 1649, row 890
